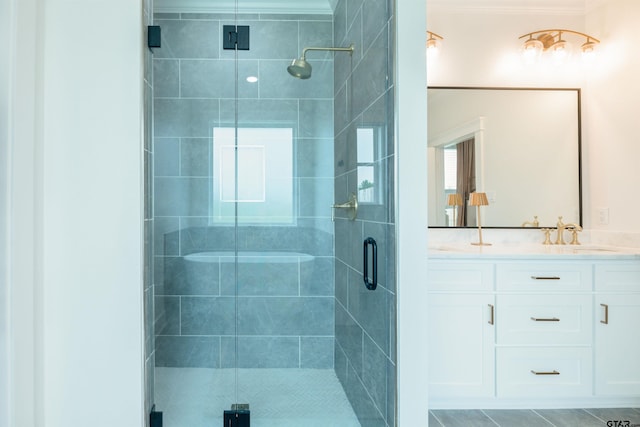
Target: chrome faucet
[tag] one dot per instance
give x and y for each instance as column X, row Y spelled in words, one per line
column 561, row 227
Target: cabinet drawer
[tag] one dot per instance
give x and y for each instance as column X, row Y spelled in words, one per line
column 618, row 277
column 544, row 277
column 542, row 372
column 460, row 276
column 544, row 319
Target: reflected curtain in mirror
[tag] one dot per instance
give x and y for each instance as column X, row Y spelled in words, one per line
column 466, row 178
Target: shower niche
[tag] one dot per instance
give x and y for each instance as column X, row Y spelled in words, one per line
column 258, row 295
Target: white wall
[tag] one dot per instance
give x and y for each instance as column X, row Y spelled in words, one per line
column 92, row 203
column 22, row 267
column 411, row 213
column 611, row 102
column 76, row 197
column 6, row 20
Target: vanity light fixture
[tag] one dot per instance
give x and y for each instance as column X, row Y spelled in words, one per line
column 432, row 43
column 432, row 40
column 479, row 199
column 552, row 40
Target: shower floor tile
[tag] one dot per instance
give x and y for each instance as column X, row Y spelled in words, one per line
column 197, row 397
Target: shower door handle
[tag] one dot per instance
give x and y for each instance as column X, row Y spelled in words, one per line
column 370, row 282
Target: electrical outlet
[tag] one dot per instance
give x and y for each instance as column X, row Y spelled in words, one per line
column 603, row 216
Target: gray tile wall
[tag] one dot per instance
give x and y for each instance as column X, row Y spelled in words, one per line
column 365, row 320
column 284, row 310
column 148, row 280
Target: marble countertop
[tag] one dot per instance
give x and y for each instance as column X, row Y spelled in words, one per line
column 532, row 251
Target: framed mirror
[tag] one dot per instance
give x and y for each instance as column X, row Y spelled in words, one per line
column 521, row 146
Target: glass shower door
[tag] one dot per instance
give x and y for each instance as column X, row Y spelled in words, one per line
column 259, row 299
column 281, row 149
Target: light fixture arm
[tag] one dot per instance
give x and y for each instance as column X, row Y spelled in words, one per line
column 434, row 36
column 332, row 49
column 547, row 37
column 432, row 40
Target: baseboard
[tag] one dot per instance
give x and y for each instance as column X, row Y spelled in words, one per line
column 525, row 403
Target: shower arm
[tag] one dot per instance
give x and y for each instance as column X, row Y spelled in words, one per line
column 332, row 49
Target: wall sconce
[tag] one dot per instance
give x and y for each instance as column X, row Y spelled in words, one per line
column 432, row 43
column 479, row 199
column 454, row 200
column 552, row 40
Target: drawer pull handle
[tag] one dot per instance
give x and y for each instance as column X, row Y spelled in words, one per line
column 545, row 373
column 543, row 319
column 606, row 314
column 545, row 277
column 491, row 318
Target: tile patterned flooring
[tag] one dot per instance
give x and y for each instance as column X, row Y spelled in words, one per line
column 626, row 417
column 193, row 397
column 197, row 397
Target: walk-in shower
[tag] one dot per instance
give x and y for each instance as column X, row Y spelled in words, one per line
column 301, row 69
column 258, row 292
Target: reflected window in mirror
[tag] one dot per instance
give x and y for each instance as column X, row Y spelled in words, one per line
column 368, row 165
column 451, row 185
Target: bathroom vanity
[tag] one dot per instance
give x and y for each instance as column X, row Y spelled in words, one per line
column 533, row 326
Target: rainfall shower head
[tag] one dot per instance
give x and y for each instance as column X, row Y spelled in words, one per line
column 301, row 69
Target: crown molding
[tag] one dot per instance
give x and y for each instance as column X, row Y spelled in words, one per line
column 316, row 7
column 533, row 7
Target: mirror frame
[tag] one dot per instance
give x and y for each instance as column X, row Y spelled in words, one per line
column 579, row 147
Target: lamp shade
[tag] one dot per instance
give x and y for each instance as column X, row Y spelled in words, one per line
column 454, row 199
column 478, row 199
column 532, row 49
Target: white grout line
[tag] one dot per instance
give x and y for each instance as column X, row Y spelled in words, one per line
column 487, row 415
column 594, row 415
column 437, row 419
column 534, row 411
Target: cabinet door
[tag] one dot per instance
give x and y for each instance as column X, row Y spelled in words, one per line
column 461, row 345
column 617, row 344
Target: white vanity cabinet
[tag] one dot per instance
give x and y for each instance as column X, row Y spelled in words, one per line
column 509, row 332
column 461, row 330
column 617, row 329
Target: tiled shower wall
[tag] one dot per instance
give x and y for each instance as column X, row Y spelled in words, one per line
column 284, row 314
column 365, row 320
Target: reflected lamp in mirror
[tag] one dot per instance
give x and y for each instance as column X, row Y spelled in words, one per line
column 479, row 199
column 454, row 200
column 552, row 41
